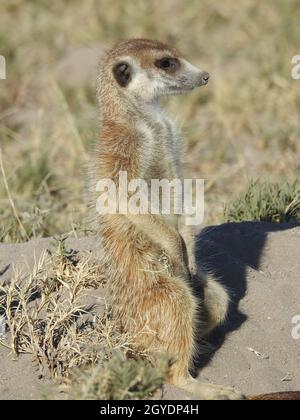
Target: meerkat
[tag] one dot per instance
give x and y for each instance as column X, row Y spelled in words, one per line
column 138, row 136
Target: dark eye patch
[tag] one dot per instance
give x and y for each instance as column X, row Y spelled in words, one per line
column 122, row 72
column 169, row 64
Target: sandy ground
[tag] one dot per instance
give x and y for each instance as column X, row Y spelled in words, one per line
column 254, row 351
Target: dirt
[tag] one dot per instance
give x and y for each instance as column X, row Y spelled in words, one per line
column 254, row 351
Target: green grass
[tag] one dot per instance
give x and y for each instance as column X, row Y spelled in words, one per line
column 266, row 202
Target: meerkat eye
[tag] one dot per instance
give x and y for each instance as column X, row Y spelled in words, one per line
column 167, row 63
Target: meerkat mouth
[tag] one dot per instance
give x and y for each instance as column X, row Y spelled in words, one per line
column 180, row 89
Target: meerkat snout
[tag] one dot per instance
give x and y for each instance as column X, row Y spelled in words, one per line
column 202, row 78
column 193, row 76
column 205, row 78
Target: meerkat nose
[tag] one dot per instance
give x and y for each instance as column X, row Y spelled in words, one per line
column 205, row 78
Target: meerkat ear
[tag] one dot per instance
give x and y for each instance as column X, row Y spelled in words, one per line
column 122, row 72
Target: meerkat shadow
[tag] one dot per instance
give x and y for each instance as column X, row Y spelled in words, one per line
column 230, row 251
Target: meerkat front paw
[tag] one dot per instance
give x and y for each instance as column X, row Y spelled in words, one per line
column 195, row 272
column 193, row 269
column 193, row 265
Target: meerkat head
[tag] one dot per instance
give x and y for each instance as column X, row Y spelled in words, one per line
column 146, row 70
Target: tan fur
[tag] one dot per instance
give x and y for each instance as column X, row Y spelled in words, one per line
column 150, row 264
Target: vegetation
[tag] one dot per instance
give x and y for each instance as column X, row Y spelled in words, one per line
column 244, row 123
column 73, row 342
column 265, row 202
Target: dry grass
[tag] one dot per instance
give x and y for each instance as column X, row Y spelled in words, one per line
column 74, row 342
column 244, row 124
column 45, row 314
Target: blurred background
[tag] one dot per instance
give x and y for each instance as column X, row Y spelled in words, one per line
column 243, row 126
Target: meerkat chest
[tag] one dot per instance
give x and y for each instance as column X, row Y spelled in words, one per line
column 160, row 142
